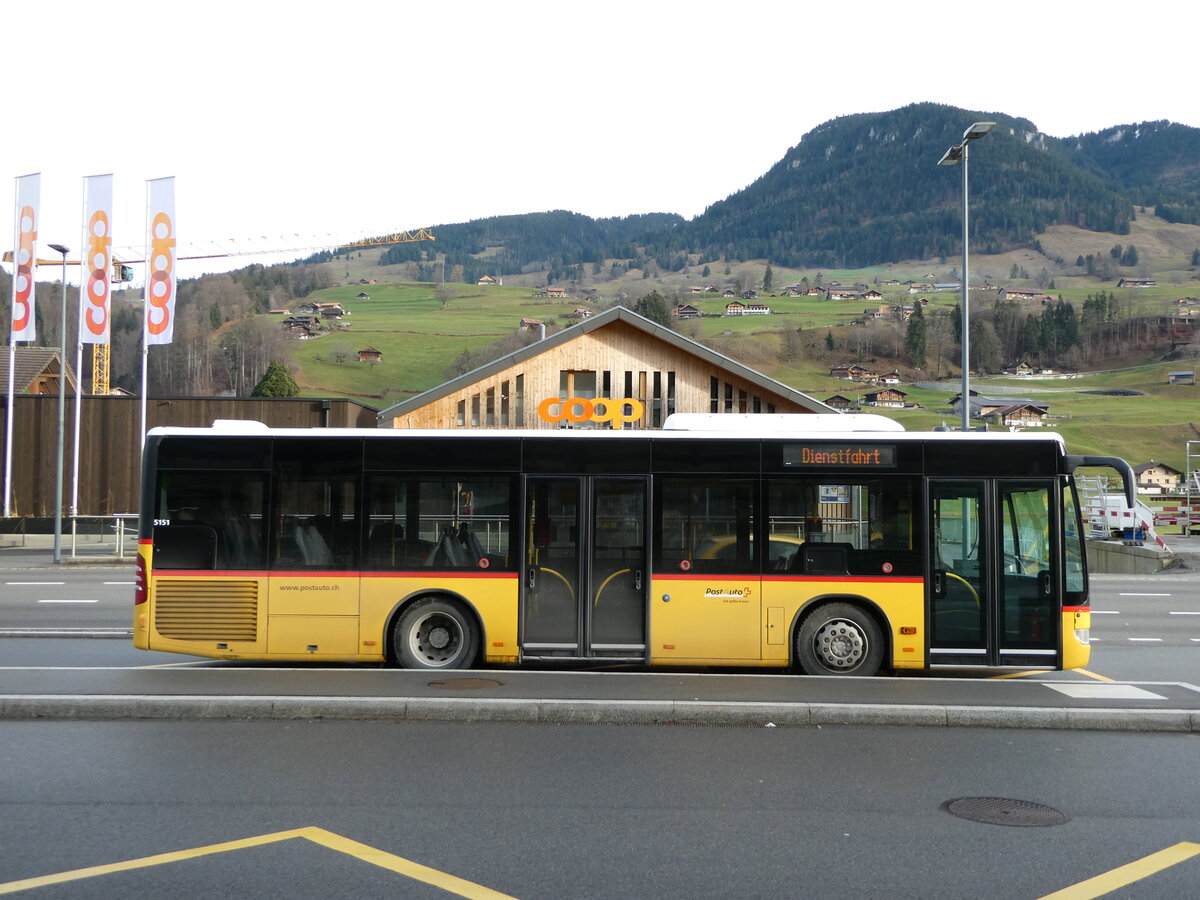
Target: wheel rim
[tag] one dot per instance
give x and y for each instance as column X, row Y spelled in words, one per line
column 436, row 639
column 840, row 645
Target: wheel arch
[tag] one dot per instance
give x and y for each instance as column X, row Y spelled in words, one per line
column 866, row 604
column 409, row 599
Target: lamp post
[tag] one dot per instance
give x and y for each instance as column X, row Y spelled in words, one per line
column 952, row 157
column 62, row 410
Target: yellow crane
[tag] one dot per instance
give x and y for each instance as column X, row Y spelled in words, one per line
column 121, row 273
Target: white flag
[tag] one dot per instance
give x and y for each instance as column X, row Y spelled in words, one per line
column 160, row 261
column 94, row 321
column 24, row 322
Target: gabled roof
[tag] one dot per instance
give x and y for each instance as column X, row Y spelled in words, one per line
column 30, row 363
column 596, row 322
column 1143, row 467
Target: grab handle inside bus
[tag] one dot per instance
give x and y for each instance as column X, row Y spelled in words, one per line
column 1128, row 479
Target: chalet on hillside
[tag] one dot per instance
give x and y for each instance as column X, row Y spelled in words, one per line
column 892, row 398
column 685, row 311
column 1157, row 478
column 837, row 401
column 852, row 372
column 363, row 295
column 1181, row 377
column 1018, row 415
column 488, row 280
column 1014, row 294
column 1136, row 282
column 370, row 355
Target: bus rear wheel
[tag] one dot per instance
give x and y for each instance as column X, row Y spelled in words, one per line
column 435, row 633
column 839, row 639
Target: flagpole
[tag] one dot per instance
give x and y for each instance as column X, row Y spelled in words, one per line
column 8, row 429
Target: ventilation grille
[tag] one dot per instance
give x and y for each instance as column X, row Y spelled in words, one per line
column 204, row 610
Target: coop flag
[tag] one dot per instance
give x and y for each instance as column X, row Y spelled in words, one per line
column 160, row 261
column 97, row 259
column 25, row 258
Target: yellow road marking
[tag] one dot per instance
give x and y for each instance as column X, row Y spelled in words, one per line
column 389, row 861
column 1127, row 874
column 1016, row 674
column 1093, row 675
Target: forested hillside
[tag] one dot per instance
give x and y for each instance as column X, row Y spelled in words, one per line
column 858, row 191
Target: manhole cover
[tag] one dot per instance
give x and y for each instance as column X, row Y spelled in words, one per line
column 999, row 811
column 464, row 684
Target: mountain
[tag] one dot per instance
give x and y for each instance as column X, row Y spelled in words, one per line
column 866, row 189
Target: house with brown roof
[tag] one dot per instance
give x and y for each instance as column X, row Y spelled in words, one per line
column 892, row 398
column 370, row 355
column 685, row 311
column 36, row 371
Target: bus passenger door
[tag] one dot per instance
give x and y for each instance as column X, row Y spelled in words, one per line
column 993, row 574
column 585, row 576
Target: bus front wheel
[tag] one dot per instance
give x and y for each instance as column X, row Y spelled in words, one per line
column 435, row 634
column 839, row 639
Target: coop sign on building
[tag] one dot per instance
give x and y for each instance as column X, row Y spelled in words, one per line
column 578, row 410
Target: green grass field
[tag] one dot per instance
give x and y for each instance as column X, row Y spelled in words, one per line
column 420, row 337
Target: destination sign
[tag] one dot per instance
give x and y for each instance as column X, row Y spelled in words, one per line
column 840, row 456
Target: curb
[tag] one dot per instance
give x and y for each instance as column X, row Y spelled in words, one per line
column 598, row 712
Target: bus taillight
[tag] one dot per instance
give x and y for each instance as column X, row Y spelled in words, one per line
column 140, row 594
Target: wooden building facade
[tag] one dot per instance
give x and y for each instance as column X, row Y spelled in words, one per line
column 599, row 366
column 110, row 445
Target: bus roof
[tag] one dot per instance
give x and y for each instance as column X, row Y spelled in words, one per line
column 748, row 426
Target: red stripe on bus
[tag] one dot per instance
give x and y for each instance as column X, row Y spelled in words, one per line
column 310, row 573
column 1077, row 609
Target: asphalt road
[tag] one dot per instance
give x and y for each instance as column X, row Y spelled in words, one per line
column 539, row 811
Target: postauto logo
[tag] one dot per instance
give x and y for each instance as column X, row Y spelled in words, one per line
column 577, row 410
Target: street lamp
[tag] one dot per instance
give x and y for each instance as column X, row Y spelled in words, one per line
column 62, row 408
column 952, row 157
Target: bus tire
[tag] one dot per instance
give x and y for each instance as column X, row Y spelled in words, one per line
column 839, row 639
column 435, row 633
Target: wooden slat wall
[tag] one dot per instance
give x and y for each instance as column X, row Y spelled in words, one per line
column 617, row 348
column 110, row 455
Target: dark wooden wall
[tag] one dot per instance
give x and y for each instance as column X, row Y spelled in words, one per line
column 110, row 446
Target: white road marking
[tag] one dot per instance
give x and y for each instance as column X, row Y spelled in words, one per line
column 1183, row 613
column 1092, row 691
column 68, row 601
column 120, row 582
column 1147, row 640
column 1143, row 595
column 29, row 583
column 1106, row 612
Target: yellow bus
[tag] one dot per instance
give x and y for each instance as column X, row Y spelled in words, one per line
column 826, row 544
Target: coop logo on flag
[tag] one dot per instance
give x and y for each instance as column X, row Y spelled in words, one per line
column 160, row 260
column 25, row 259
column 97, row 260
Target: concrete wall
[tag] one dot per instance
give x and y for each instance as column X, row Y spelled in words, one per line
column 1115, row 558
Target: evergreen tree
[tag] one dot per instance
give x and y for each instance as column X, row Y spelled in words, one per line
column 828, row 340
column 277, row 382
column 706, row 273
column 915, row 338
column 768, row 280
column 1130, row 256
column 1196, row 257
column 654, row 306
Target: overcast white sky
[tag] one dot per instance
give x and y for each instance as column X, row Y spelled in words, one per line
column 370, row 117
